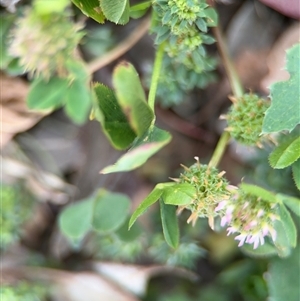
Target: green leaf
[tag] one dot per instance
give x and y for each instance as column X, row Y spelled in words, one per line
column 259, row 192
column 283, row 277
column 283, row 113
column 77, row 70
column 91, row 8
column 169, row 224
column 14, row 68
column 110, row 211
column 286, row 153
column 114, row 123
column 153, row 197
column 129, row 235
column 179, row 194
column 131, row 97
column 47, row 94
column 286, row 233
column 265, row 250
column 142, row 150
column 116, row 11
column 212, row 16
column 75, row 219
column 296, row 173
column 5, row 25
column 138, row 10
column 78, row 101
column 291, row 202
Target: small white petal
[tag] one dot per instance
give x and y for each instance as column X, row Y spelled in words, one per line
column 221, row 205
column 260, row 213
column 223, row 221
column 256, row 242
column 241, row 238
column 231, row 230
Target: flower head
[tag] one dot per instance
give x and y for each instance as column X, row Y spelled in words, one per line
column 245, row 119
column 211, row 190
column 250, row 216
column 45, row 43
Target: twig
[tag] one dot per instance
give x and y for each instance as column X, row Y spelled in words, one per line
column 234, row 79
column 122, row 48
column 237, row 90
column 184, row 127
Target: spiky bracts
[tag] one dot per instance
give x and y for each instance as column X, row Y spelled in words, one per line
column 211, row 189
column 245, row 119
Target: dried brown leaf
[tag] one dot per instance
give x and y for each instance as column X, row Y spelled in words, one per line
column 15, row 116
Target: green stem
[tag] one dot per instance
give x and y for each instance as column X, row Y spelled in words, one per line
column 155, row 75
column 219, row 150
column 236, row 88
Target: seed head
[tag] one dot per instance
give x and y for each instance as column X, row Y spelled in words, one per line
column 211, row 189
column 245, row 119
column 45, row 43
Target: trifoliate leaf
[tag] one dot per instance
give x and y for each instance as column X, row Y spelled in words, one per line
column 286, row 153
column 114, row 122
column 169, row 224
column 283, row 113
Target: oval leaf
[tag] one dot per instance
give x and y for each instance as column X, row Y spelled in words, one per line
column 169, row 224
column 286, row 233
column 91, row 8
column 259, row 192
column 142, row 150
column 110, row 211
column 285, row 154
column 138, row 10
column 114, row 123
column 146, row 203
column 132, row 99
column 291, row 202
column 265, row 250
column 116, row 11
column 296, row 173
column 78, row 101
column 287, row 287
column 179, row 194
column 75, row 220
column 47, row 94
